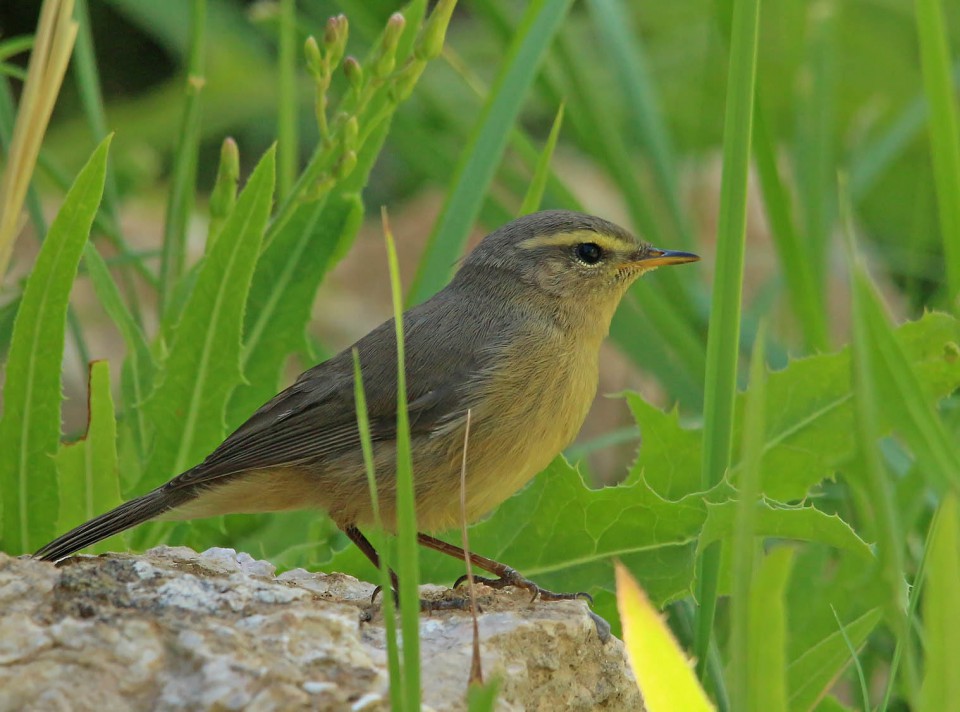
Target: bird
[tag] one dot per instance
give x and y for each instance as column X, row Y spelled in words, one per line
column 511, row 343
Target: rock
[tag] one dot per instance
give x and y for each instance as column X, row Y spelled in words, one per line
column 176, row 630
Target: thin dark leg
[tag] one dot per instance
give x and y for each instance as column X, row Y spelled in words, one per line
column 357, row 537
column 506, row 575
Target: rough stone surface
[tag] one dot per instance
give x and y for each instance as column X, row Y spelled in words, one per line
column 177, row 630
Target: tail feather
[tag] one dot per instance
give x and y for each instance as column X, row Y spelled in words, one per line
column 127, row 515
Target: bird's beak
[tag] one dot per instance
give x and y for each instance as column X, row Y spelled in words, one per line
column 655, row 257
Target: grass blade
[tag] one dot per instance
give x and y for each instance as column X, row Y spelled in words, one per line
column 766, row 663
column 944, row 133
column 389, row 618
column 804, row 294
column 531, row 201
column 888, row 528
column 811, row 675
column 287, row 142
column 30, row 427
column 646, row 119
column 184, row 180
column 723, row 340
column 488, row 140
column 941, row 614
column 744, row 584
column 408, row 569
column 56, row 32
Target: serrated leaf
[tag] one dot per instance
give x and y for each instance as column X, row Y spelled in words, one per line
column 87, row 468
column 30, row 428
column 810, row 429
column 812, row 674
column 664, row 674
column 801, row 523
column 188, row 404
column 811, row 419
column 282, row 293
column 669, row 454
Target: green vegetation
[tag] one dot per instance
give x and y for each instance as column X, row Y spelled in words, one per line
column 792, row 503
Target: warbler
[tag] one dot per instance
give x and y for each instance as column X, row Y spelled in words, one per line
column 514, row 339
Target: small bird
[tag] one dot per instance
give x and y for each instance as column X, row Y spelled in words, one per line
column 514, row 339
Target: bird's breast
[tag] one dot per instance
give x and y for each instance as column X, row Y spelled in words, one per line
column 533, row 406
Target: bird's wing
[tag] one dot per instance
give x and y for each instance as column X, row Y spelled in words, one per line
column 315, row 418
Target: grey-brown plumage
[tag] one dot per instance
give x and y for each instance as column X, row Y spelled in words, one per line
column 514, row 338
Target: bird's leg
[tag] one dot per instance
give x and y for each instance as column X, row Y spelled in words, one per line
column 506, row 575
column 357, row 537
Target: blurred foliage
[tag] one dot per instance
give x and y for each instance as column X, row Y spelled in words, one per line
column 856, row 460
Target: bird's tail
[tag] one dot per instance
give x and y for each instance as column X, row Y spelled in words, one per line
column 127, row 515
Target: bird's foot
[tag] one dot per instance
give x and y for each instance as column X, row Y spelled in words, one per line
column 426, row 605
column 510, row 577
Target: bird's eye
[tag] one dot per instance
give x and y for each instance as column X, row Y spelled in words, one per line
column 588, row 252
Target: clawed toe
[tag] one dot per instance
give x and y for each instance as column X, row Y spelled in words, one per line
column 512, row 578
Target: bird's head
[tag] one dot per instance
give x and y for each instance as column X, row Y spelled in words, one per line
column 569, row 256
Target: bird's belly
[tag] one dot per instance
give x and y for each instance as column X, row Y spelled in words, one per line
column 518, row 433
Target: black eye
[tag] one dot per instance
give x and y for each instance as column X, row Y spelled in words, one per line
column 588, row 252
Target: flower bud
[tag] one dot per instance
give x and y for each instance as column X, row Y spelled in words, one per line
column 430, row 41
column 314, row 59
column 353, row 72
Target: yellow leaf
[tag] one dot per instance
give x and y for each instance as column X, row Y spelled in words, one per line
column 664, row 674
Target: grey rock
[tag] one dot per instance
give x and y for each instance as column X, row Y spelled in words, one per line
column 176, row 630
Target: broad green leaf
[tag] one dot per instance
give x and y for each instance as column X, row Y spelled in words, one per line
column 87, row 468
column 812, row 674
column 804, row 523
column 531, row 201
column 941, row 613
column 485, row 147
column 282, row 293
column 808, row 434
column 767, row 688
column 663, row 671
column 30, row 428
column 186, row 409
column 669, row 455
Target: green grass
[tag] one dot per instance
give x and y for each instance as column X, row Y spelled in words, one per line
column 802, row 527
column 723, row 342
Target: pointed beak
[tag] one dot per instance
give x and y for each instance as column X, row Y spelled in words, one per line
column 655, row 257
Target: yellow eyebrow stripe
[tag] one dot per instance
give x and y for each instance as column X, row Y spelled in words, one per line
column 569, row 239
